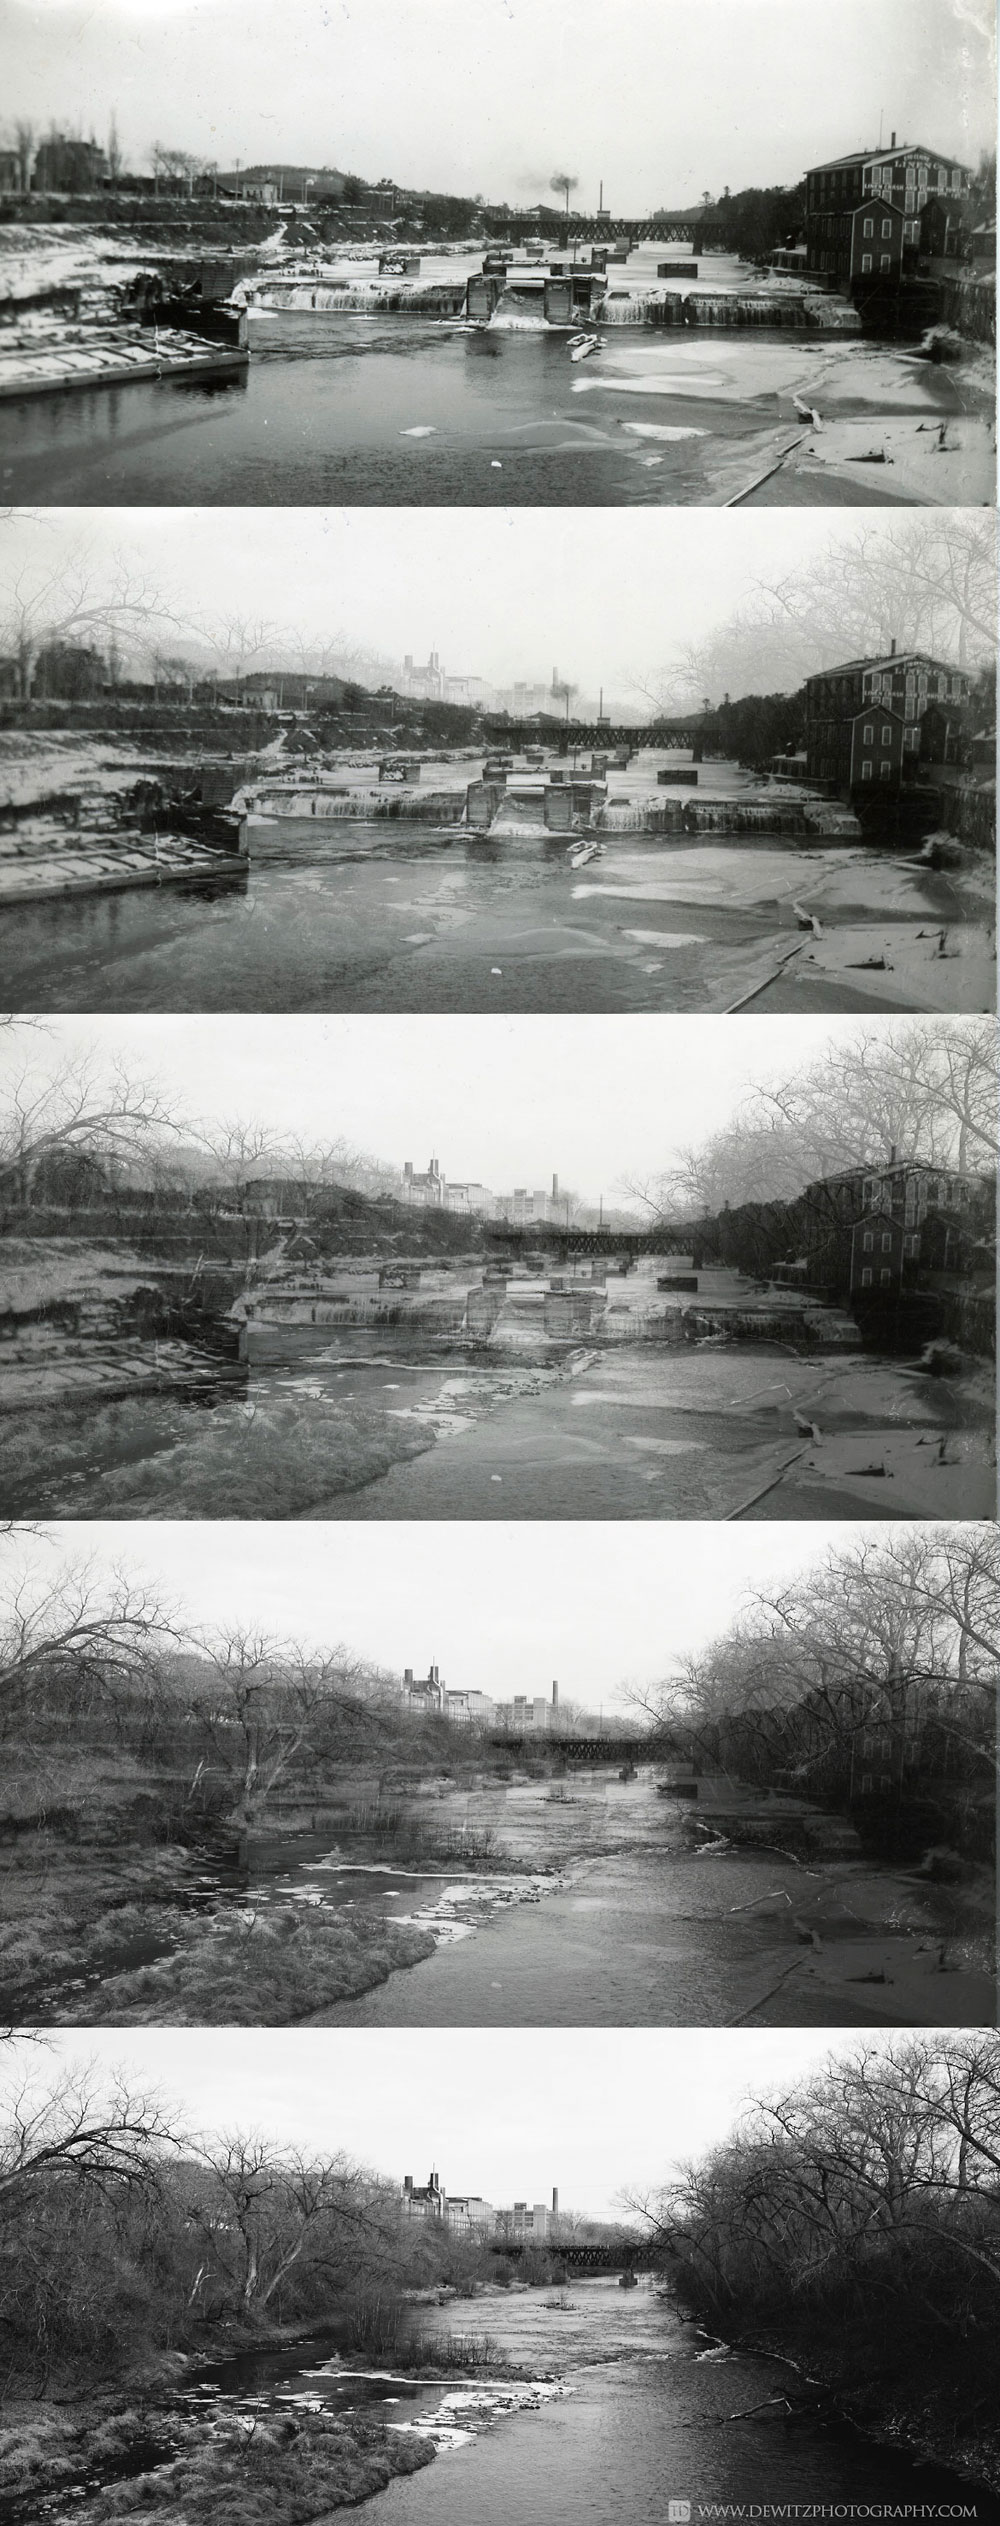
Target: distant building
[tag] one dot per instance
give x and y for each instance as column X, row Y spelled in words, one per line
column 865, row 213
column 429, row 1189
column 431, row 683
column 462, row 2214
column 467, row 2214
column 68, row 166
column 464, row 1707
column 525, row 2222
column 68, row 671
column 877, row 720
column 423, row 1692
column 535, row 1714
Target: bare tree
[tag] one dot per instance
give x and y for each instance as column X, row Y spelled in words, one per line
column 924, row 583
column 104, row 2136
column 922, row 1089
column 275, row 1707
column 74, row 593
column 77, row 1107
column 236, row 639
column 259, row 2214
column 75, row 1641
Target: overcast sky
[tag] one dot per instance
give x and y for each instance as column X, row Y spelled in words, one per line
column 596, row 1607
column 503, row 2112
column 659, row 99
column 499, row 593
column 506, row 1101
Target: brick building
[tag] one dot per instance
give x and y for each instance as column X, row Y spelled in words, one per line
column 883, row 719
column 869, row 214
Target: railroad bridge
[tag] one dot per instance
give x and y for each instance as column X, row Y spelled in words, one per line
column 597, row 1748
column 633, row 2254
column 700, row 234
column 596, row 736
column 601, row 1243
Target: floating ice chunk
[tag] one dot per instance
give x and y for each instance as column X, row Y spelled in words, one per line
column 658, row 430
column 420, row 430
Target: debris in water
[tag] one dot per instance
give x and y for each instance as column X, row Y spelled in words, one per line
column 420, row 430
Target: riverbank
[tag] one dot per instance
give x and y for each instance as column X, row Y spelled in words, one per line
column 491, row 1899
column 152, row 2461
column 155, row 1960
column 920, row 2426
column 594, row 2400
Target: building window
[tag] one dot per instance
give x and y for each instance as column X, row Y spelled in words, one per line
column 866, row 771
column 884, row 263
column 866, row 261
column 887, row 736
column 885, row 1278
column 869, row 227
column 866, row 1278
column 869, row 734
column 868, row 1242
column 887, row 228
column 887, row 1242
column 885, row 771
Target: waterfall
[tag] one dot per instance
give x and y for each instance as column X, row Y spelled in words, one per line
column 362, row 298
column 630, row 817
column 362, row 806
column 643, row 307
column 739, row 816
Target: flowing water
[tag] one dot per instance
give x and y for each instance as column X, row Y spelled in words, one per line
column 525, row 1429
column 646, row 2420
column 344, row 408
column 413, row 919
column 640, row 2417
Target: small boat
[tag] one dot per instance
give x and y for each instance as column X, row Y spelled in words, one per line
column 582, row 344
column 628, row 2280
column 580, row 852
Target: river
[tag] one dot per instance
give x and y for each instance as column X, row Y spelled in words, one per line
column 641, row 2416
column 327, row 1422
column 354, row 409
column 397, row 918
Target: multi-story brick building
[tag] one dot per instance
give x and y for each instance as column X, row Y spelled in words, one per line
column 876, row 720
column 867, row 213
column 463, row 2214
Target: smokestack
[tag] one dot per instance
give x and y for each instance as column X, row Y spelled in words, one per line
column 892, row 140
column 892, row 648
column 555, row 2201
column 555, row 1188
column 407, row 2183
column 555, row 1694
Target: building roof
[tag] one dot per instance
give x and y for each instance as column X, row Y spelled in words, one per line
column 894, row 658
column 899, row 149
